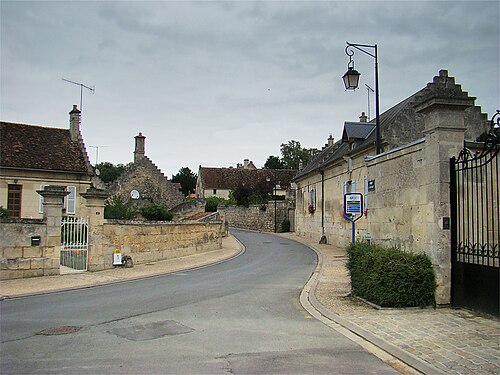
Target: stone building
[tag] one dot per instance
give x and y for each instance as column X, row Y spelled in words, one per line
column 405, row 188
column 143, row 182
column 219, row 182
column 32, row 157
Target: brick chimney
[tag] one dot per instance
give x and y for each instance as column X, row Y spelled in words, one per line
column 74, row 124
column 246, row 163
column 363, row 117
column 140, row 147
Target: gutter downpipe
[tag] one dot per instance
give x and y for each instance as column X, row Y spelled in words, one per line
column 323, row 237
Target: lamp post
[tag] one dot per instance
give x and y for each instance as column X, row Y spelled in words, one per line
column 351, row 79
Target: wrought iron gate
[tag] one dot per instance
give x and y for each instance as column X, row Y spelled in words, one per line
column 74, row 243
column 474, row 195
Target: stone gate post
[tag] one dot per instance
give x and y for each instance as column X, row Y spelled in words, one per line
column 53, row 204
column 95, row 199
column 444, row 128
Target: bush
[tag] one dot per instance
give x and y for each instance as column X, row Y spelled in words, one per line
column 285, row 226
column 156, row 212
column 4, row 213
column 211, row 203
column 116, row 208
column 391, row 277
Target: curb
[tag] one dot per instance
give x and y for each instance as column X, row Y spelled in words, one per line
column 309, row 301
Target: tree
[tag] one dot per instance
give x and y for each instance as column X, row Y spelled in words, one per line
column 187, row 179
column 242, row 195
column 109, row 172
column 273, row 162
column 116, row 208
column 293, row 153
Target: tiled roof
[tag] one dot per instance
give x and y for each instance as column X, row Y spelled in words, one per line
column 40, row 148
column 231, row 178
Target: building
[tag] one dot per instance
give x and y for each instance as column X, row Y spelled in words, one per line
column 405, row 188
column 143, row 182
column 220, row 182
column 32, row 157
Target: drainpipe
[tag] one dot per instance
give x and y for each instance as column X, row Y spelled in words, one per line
column 323, row 237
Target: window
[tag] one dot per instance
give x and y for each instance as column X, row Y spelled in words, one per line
column 312, row 198
column 14, row 195
column 215, row 191
column 70, row 203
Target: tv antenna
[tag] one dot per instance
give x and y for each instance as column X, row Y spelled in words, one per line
column 369, row 89
column 97, row 152
column 92, row 89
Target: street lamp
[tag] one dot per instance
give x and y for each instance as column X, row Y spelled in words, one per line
column 351, row 79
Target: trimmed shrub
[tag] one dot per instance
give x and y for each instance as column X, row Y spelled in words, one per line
column 391, row 277
column 4, row 213
column 156, row 212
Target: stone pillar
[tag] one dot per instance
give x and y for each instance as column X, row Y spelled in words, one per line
column 53, row 204
column 444, row 130
column 94, row 201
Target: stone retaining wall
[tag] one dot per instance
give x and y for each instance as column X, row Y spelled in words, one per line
column 256, row 217
column 152, row 242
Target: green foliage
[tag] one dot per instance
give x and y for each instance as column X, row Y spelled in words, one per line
column 391, row 277
column 285, row 226
column 4, row 213
column 116, row 208
column 109, row 172
column 242, row 195
column 187, row 179
column 156, row 212
column 292, row 154
column 273, row 162
column 211, row 203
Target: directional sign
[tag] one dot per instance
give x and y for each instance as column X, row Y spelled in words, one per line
column 353, row 203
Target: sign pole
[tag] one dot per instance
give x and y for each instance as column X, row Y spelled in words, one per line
column 353, row 206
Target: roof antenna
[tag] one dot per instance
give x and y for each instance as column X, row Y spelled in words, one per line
column 368, row 89
column 92, row 89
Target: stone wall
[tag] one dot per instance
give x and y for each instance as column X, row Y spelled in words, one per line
column 150, row 242
column 20, row 258
column 256, row 217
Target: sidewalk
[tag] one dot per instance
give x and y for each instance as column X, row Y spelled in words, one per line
column 38, row 285
column 442, row 340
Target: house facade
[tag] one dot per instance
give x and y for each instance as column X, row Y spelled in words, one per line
column 405, row 188
column 32, row 157
column 143, row 182
column 220, row 182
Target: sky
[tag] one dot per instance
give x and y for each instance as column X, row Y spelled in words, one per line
column 212, row 83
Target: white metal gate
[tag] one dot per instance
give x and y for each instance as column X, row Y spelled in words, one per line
column 74, row 243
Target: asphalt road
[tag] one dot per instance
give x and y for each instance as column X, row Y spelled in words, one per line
column 239, row 317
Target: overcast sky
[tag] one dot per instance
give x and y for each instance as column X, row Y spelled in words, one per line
column 213, row 83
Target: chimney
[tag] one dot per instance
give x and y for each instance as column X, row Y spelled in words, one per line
column 363, row 117
column 246, row 162
column 74, row 124
column 330, row 141
column 140, row 146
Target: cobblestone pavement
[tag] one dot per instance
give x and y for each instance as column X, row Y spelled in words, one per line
column 452, row 341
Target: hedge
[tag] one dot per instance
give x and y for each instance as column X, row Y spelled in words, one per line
column 391, row 277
